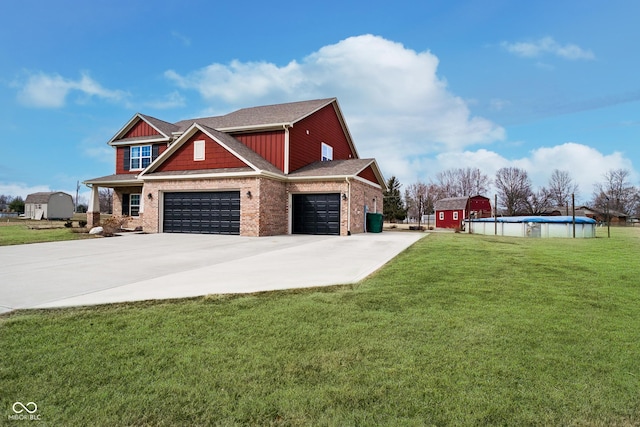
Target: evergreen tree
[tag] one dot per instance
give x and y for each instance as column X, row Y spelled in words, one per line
column 393, row 207
column 17, row 205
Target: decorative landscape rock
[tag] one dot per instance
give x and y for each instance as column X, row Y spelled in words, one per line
column 96, row 230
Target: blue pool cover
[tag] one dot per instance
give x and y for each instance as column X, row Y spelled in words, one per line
column 539, row 219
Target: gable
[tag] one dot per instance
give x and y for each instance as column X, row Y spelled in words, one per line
column 215, row 156
column 307, row 136
column 369, row 174
column 141, row 129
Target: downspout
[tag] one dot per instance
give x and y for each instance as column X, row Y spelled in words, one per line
column 286, row 149
column 348, row 207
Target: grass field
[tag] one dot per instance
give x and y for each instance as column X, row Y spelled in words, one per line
column 457, row 330
column 18, row 231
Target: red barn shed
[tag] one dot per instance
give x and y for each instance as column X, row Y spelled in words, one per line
column 452, row 211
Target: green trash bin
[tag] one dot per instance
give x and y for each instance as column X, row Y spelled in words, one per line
column 374, row 222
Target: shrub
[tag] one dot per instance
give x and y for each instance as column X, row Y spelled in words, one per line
column 113, row 225
column 82, row 224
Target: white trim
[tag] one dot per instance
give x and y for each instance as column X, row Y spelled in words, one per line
column 183, row 139
column 287, row 147
column 333, row 178
column 200, row 176
column 139, row 205
column 150, row 157
column 130, row 125
column 329, row 150
column 366, row 181
column 138, row 142
column 199, row 150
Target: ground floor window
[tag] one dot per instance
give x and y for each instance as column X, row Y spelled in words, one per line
column 455, row 216
column 441, row 215
column 131, row 204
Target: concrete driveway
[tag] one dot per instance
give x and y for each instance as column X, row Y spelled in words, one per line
column 136, row 267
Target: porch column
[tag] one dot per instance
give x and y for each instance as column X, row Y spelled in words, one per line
column 93, row 213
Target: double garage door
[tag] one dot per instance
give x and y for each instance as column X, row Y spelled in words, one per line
column 213, row 212
column 218, row 212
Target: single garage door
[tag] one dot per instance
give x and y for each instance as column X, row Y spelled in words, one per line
column 213, row 212
column 316, row 213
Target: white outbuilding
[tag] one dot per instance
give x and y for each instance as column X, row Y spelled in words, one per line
column 534, row 226
column 48, row 205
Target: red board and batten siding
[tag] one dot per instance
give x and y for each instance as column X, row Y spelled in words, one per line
column 323, row 126
column 448, row 221
column 141, row 128
column 120, row 157
column 269, row 145
column 369, row 175
column 481, row 206
column 216, row 157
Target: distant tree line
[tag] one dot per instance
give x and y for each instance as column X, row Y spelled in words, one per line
column 11, row 204
column 16, row 203
column 515, row 191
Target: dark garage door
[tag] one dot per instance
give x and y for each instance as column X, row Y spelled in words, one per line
column 316, row 213
column 214, row 212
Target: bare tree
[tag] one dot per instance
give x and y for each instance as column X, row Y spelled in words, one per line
column 616, row 192
column 538, row 202
column 514, row 188
column 462, row 182
column 561, row 187
column 473, row 182
column 105, row 198
column 448, row 184
column 4, row 201
column 421, row 199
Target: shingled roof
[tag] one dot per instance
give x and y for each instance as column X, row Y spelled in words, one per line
column 451, row 203
column 277, row 114
column 164, row 127
column 350, row 167
column 42, row 197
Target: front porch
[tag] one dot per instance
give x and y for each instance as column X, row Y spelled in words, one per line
column 127, row 200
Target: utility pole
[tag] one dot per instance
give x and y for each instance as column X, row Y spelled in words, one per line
column 77, row 192
column 573, row 209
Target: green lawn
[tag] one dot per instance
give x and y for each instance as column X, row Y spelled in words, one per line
column 458, row 330
column 18, row 234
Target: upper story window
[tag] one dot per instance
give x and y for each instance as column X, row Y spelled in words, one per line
column 327, row 152
column 140, row 156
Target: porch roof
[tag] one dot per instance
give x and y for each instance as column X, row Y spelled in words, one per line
column 116, row 180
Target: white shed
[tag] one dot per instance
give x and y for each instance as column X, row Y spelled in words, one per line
column 534, row 226
column 48, row 205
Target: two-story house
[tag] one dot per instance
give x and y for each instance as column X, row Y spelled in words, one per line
column 277, row 169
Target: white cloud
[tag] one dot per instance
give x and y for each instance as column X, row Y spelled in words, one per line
column 398, row 110
column 172, row 100
column 391, row 95
column 547, row 45
column 51, row 91
column 585, row 165
column 21, row 189
column 186, row 41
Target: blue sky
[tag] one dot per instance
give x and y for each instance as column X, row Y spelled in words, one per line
column 424, row 85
